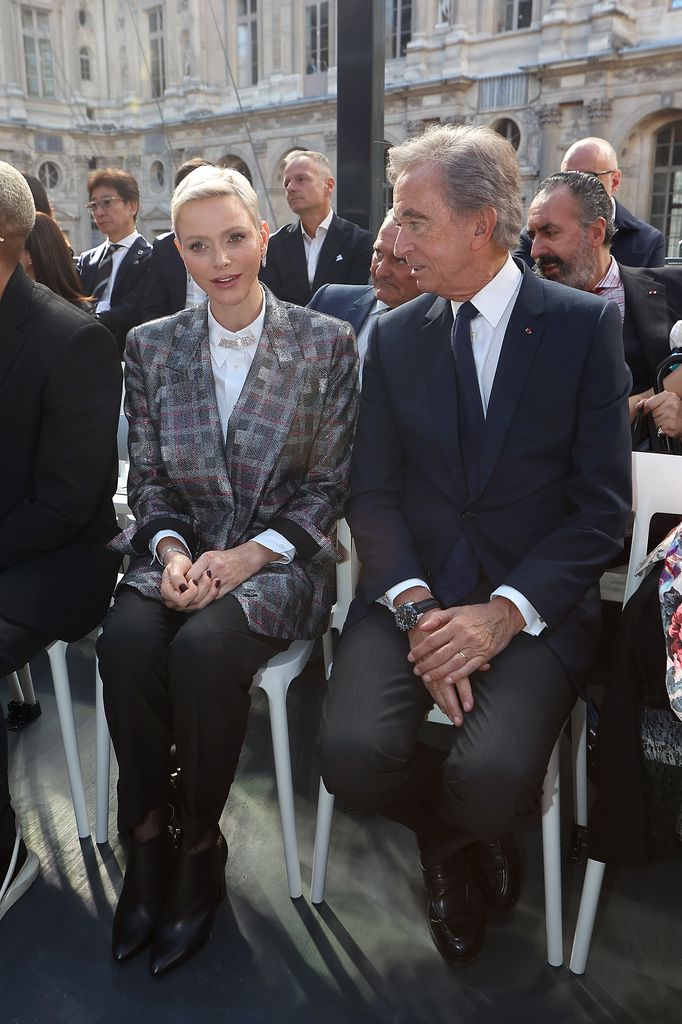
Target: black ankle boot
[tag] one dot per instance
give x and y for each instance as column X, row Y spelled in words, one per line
column 145, row 884
column 196, row 889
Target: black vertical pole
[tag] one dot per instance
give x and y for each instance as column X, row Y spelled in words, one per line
column 360, row 111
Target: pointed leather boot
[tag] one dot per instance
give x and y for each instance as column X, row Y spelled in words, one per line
column 148, row 873
column 196, row 889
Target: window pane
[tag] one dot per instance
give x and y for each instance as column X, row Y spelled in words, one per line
column 31, row 60
column 26, row 17
column 525, row 13
column 43, row 20
column 46, row 67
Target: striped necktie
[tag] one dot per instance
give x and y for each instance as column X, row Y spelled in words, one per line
column 104, row 269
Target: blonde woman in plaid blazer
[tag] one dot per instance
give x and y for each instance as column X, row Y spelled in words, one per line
column 241, row 415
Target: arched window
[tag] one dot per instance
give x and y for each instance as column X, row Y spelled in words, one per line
column 238, row 164
column 86, row 64
column 508, row 129
column 157, row 176
column 49, row 174
column 666, row 193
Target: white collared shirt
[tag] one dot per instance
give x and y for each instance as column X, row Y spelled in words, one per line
column 312, row 246
column 117, row 258
column 495, row 303
column 230, row 369
column 194, row 295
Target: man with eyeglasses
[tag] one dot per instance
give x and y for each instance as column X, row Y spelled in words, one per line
column 114, row 272
column 635, row 243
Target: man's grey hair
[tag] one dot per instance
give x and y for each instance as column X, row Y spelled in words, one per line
column 593, row 199
column 17, row 209
column 324, row 168
column 480, row 169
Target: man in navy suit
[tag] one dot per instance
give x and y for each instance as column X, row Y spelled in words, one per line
column 636, row 243
column 360, row 305
column 570, row 225
column 319, row 248
column 490, row 487
column 114, row 272
column 168, row 287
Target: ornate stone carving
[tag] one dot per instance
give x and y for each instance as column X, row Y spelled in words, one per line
column 548, row 113
column 599, row 110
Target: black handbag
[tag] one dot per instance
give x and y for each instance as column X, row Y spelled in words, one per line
column 645, row 436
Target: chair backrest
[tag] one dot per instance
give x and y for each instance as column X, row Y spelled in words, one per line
column 656, row 487
column 347, row 572
column 122, row 438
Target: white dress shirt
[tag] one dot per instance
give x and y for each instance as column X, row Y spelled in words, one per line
column 230, row 370
column 117, row 258
column 495, row 303
column 313, row 245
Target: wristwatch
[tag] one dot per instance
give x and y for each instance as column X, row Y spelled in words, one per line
column 407, row 614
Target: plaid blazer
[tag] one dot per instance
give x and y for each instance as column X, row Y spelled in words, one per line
column 286, row 457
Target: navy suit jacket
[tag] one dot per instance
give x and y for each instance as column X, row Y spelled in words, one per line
column 653, row 303
column 349, row 302
column 553, row 495
column 126, row 299
column 344, row 259
column 635, row 244
column 165, row 290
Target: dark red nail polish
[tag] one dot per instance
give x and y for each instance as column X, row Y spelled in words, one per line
column 217, row 584
column 209, row 573
column 182, row 588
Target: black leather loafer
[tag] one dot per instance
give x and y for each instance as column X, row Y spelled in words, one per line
column 196, row 889
column 144, row 890
column 497, row 870
column 456, row 909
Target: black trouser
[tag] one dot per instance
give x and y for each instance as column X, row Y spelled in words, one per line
column 18, row 644
column 171, row 677
column 493, row 774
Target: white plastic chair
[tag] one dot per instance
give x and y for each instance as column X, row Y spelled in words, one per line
column 274, row 678
column 24, row 693
column 656, row 487
column 551, row 819
column 347, row 571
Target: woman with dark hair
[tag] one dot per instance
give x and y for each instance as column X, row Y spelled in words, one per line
column 40, row 197
column 47, row 259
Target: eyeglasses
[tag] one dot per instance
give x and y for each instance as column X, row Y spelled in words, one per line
column 105, row 202
column 600, row 174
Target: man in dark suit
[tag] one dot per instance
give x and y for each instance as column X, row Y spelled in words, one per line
column 320, row 248
column 114, row 272
column 636, row 243
column 359, row 305
column 571, row 228
column 490, row 487
column 60, row 391
column 168, row 287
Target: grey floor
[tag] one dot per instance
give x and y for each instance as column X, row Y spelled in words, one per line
column 363, row 956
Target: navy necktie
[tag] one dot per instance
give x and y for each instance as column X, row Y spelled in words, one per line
column 460, row 571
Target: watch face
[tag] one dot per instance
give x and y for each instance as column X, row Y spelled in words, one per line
column 406, row 616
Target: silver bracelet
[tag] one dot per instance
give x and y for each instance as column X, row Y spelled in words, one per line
column 178, row 551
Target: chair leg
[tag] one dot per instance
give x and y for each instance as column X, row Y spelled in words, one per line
column 277, row 698
column 579, row 744
column 17, row 692
column 26, row 681
column 56, row 652
column 551, row 856
column 323, row 829
column 586, row 915
column 103, row 759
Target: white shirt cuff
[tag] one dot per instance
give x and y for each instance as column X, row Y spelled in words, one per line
column 534, row 623
column 158, row 537
column 389, row 597
column 274, row 541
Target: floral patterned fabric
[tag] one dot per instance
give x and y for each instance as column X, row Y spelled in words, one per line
column 669, row 551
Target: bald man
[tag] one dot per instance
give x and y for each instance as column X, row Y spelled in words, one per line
column 636, row 243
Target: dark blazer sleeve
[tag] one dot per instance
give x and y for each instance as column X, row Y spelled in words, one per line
column 165, row 289
column 556, row 573
column 270, row 274
column 80, row 406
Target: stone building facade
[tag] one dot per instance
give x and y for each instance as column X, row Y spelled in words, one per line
column 144, row 84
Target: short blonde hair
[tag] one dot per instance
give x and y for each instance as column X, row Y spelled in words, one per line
column 17, row 209
column 207, row 182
